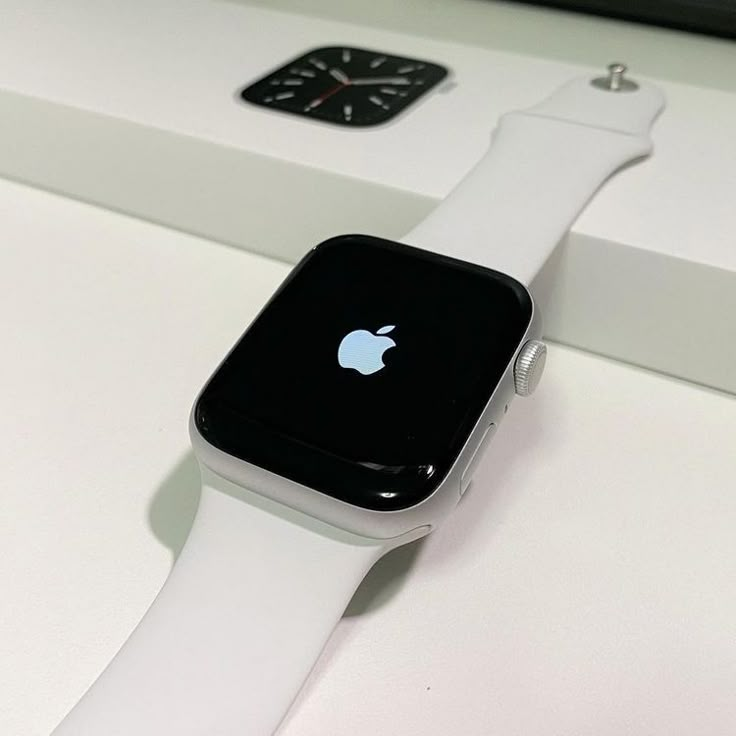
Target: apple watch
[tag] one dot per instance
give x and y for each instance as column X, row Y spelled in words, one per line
column 349, row 418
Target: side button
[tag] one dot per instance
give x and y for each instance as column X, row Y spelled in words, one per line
column 473, row 464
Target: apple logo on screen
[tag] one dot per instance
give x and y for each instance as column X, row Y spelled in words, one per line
column 363, row 351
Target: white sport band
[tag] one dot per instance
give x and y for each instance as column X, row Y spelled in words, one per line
column 237, row 626
column 542, row 167
column 258, row 587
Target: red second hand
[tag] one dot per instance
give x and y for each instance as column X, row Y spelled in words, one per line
column 329, row 93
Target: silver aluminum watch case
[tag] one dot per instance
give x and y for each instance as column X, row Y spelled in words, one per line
column 415, row 520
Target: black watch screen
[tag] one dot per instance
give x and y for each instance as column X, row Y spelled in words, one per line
column 366, row 372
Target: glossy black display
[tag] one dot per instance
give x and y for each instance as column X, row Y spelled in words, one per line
column 345, row 85
column 366, row 372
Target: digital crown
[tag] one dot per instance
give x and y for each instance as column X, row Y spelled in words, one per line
column 529, row 367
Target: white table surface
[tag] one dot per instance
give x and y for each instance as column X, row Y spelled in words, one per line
column 585, row 584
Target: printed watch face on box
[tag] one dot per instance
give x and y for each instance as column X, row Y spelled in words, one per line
column 365, row 374
column 345, row 86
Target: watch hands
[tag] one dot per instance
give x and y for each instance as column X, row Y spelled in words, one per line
column 343, row 78
column 345, row 81
column 381, row 80
column 319, row 100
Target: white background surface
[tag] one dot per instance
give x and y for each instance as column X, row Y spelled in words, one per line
column 584, row 585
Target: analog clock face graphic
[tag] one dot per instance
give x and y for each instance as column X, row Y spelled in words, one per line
column 346, row 86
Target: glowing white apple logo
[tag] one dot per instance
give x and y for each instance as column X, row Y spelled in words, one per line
column 363, row 351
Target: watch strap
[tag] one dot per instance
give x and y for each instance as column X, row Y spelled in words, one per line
column 542, row 167
column 237, row 627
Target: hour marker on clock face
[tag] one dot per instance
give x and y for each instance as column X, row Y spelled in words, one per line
column 345, row 85
column 318, row 63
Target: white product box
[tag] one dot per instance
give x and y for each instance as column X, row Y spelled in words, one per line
column 133, row 106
